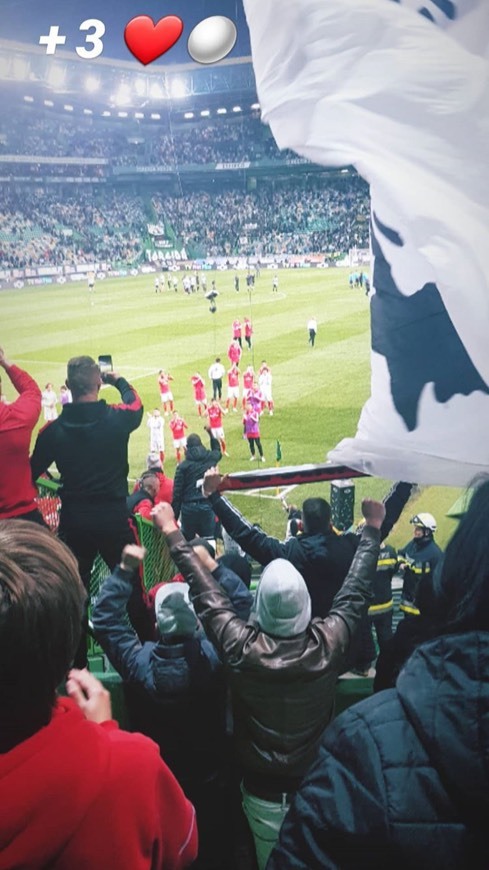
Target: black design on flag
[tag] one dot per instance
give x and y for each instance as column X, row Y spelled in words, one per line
column 417, row 338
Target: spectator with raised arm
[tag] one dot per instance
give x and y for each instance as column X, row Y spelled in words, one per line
column 171, row 685
column 75, row 791
column 17, row 421
column 281, row 664
column 89, row 444
column 401, row 778
column 189, row 503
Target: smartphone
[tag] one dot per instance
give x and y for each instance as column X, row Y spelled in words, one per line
column 105, row 363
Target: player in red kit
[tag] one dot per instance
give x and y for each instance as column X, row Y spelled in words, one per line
column 248, row 331
column 178, row 426
column 200, row 397
column 233, row 387
column 165, row 391
column 248, row 378
column 234, row 352
column 214, row 413
column 237, row 331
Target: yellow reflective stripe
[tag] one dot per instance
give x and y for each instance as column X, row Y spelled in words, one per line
column 409, row 609
column 378, row 608
column 386, row 562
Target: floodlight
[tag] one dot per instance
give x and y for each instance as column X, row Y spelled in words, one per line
column 122, row 114
column 344, row 171
column 255, row 105
column 140, row 87
column 67, row 107
column 222, row 111
column 92, row 84
column 87, row 112
column 188, row 115
column 155, row 116
column 123, row 95
column 205, row 113
column 48, row 103
column 106, row 114
column 28, row 99
column 178, row 88
column 139, row 115
column 20, row 68
column 56, row 76
column 236, row 108
column 156, row 91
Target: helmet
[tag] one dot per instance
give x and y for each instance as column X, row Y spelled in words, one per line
column 424, row 521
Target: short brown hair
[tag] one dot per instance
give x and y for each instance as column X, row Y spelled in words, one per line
column 83, row 375
column 41, row 608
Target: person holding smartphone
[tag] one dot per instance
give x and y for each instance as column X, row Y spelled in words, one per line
column 89, row 444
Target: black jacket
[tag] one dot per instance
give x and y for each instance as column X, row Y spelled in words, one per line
column 322, row 559
column 197, row 461
column 402, row 779
column 283, row 688
column 88, row 442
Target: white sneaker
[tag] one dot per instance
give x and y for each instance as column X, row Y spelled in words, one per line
column 263, row 459
column 271, row 413
column 226, row 454
column 235, row 410
column 252, row 458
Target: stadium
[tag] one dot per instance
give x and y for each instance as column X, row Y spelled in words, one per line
column 132, row 175
column 144, row 210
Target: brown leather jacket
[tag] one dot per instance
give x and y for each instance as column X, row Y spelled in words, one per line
column 283, row 689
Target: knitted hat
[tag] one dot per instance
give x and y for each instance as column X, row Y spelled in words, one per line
column 282, row 605
column 153, row 460
column 175, row 614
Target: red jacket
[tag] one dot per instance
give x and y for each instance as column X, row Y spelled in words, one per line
column 17, row 420
column 77, row 795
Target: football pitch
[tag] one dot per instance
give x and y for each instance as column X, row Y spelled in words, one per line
column 318, row 392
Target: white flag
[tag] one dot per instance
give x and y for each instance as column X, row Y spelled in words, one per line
column 400, row 90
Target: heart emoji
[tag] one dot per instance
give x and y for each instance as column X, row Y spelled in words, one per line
column 147, row 40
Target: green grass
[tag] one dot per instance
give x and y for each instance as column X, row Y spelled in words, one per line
column 318, row 392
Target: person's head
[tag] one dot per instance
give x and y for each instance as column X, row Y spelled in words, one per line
column 218, row 359
column 48, row 386
column 41, row 607
column 460, row 585
column 156, row 412
column 193, row 440
column 151, row 483
column 83, row 377
column 153, row 461
column 175, row 615
column 282, row 605
column 316, row 516
column 424, row 525
column 249, row 369
column 249, row 408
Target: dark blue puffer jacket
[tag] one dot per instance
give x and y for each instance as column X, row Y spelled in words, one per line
column 402, row 779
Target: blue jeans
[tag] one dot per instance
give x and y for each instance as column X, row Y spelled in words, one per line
column 265, row 820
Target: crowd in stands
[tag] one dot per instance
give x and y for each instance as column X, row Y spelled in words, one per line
column 234, row 140
column 45, row 227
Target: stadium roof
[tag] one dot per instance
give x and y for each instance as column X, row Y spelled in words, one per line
column 26, row 20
